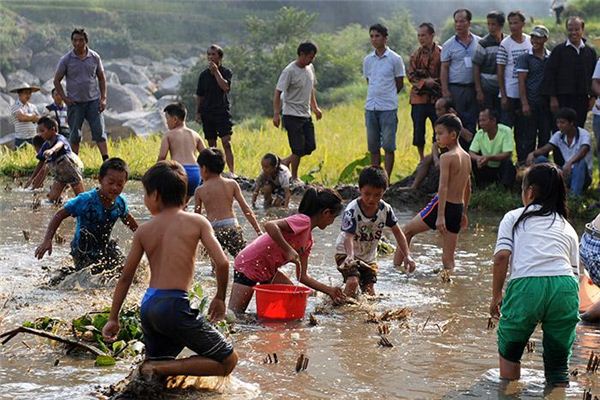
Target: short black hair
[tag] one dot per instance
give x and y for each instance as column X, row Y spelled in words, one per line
column 373, row 176
column 492, row 113
column 516, row 13
column 116, row 164
column 169, row 180
column 567, row 114
column 429, row 27
column 451, row 122
column 498, row 16
column 213, row 159
column 80, row 31
column 48, row 122
column 574, row 18
column 217, row 48
column 177, row 110
column 466, row 11
column 307, row 48
column 37, row 141
column 379, row 28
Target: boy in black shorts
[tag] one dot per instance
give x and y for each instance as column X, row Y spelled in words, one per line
column 447, row 211
column 168, row 323
column 213, row 109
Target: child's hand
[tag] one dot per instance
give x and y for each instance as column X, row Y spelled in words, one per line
column 48, row 153
column 46, row 246
column 409, row 264
column 440, row 224
column 464, row 221
column 337, row 295
column 216, row 310
column 111, row 330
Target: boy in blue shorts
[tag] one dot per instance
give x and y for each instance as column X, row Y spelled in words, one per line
column 362, row 228
column 170, row 240
column 96, row 211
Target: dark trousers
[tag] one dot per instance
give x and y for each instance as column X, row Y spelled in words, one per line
column 465, row 102
column 505, row 174
column 491, row 100
column 533, row 131
column 578, row 102
column 419, row 114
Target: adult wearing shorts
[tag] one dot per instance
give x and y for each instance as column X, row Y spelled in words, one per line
column 384, row 71
column 213, row 108
column 296, row 89
column 86, row 91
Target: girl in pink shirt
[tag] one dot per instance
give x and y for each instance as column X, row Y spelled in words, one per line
column 286, row 240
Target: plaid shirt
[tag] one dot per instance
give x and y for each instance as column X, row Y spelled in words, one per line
column 424, row 63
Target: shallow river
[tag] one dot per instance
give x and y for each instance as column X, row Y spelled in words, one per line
column 446, row 351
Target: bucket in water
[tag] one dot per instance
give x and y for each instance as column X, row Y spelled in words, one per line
column 282, row 302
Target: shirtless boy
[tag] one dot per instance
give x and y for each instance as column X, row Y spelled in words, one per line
column 170, row 240
column 217, row 195
column 447, row 211
column 182, row 142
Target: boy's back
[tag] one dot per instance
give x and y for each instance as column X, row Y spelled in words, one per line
column 182, row 143
column 458, row 163
column 217, row 196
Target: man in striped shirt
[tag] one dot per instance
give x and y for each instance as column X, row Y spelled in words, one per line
column 24, row 115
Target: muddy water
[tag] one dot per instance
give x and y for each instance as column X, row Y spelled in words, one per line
column 444, row 352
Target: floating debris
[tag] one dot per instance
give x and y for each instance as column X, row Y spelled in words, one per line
column 271, row 360
column 7, row 188
column 312, row 320
column 301, row 363
column 26, row 235
column 575, row 372
column 587, row 395
column 593, row 363
column 396, row 315
column 58, row 239
column 36, row 202
column 385, row 342
column 383, row 329
column 491, row 324
column 445, row 276
column 530, row 346
column 56, row 362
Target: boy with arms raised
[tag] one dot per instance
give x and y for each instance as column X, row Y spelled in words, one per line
column 217, row 195
column 362, row 228
column 182, row 143
column 170, row 240
column 96, row 211
column 447, row 211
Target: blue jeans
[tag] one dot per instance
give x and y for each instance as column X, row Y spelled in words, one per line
column 381, row 130
column 579, row 179
column 89, row 111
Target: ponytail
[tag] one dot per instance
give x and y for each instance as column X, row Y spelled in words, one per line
column 316, row 200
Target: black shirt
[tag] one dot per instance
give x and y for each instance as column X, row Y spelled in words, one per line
column 215, row 99
column 568, row 72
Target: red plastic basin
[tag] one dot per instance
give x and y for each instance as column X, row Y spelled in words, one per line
column 281, row 302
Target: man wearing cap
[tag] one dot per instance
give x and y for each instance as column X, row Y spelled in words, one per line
column 86, row 91
column 24, row 115
column 535, row 114
column 568, row 73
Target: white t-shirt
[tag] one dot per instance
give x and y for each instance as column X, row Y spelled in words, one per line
column 281, row 181
column 596, row 108
column 296, row 85
column 23, row 130
column 508, row 53
column 367, row 231
column 541, row 245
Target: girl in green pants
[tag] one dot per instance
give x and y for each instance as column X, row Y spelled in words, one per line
column 541, row 248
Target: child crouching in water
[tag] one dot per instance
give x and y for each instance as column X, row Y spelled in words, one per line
column 286, row 240
column 273, row 183
column 362, row 228
column 541, row 248
column 170, row 240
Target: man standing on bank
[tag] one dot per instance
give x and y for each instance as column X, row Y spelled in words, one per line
column 86, row 91
column 212, row 103
column 384, row 71
column 297, row 84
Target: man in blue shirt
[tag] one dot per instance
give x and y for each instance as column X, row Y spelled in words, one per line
column 384, row 71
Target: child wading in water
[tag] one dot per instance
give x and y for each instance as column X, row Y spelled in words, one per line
column 217, row 195
column 447, row 211
column 362, row 228
column 541, row 248
column 170, row 240
column 96, row 211
column 273, row 183
column 182, row 143
column 286, row 240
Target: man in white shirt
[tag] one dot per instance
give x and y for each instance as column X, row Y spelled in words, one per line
column 297, row 84
column 384, row 71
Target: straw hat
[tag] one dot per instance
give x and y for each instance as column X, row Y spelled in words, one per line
column 25, row 86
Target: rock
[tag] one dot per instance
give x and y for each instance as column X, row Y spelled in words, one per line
column 2, row 82
column 121, row 99
column 4, row 107
column 128, row 73
column 141, row 60
column 7, row 98
column 21, row 57
column 348, row 192
column 20, row 77
column 172, row 61
column 165, row 101
column 170, row 85
column 111, row 77
column 147, row 124
column 40, row 98
column 43, row 65
column 160, row 71
column 144, row 95
column 48, row 86
column 7, row 139
column 190, row 62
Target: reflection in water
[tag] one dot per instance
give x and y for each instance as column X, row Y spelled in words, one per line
column 444, row 352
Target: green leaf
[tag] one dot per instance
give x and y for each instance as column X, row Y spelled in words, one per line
column 349, row 171
column 202, row 305
column 118, row 346
column 105, row 361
